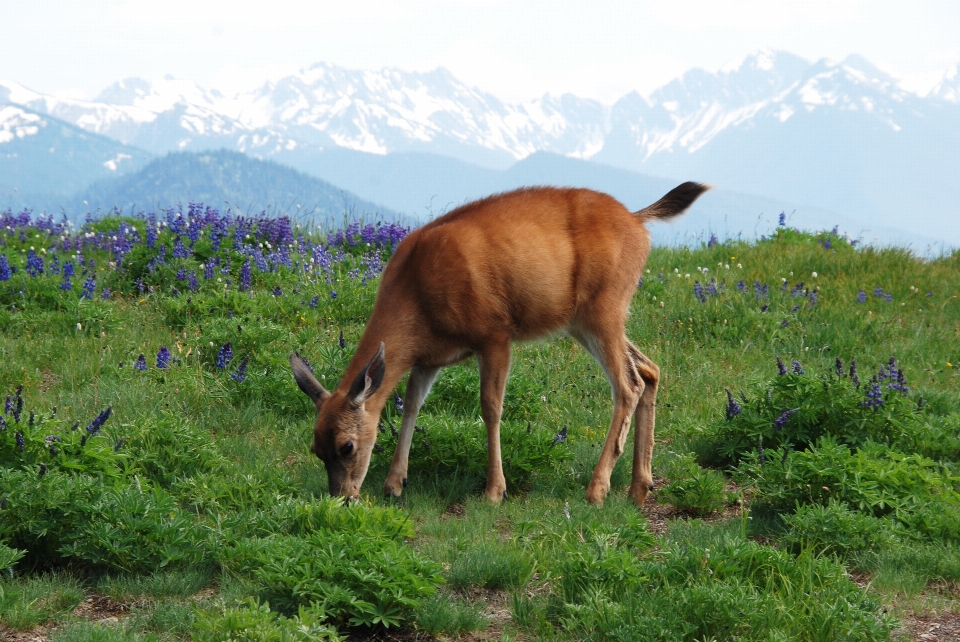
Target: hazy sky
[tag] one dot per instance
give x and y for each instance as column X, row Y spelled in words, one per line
column 516, row 50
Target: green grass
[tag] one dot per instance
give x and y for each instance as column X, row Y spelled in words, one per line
column 210, row 518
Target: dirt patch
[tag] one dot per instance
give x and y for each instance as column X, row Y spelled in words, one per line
column 101, row 609
column 929, row 627
column 454, row 509
column 38, row 634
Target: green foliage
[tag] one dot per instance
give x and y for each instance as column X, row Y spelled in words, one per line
column 445, row 614
column 26, row 602
column 874, row 480
column 9, row 556
column 833, row 528
column 169, row 448
column 445, row 448
column 493, row 565
column 255, row 622
column 692, row 488
column 824, row 404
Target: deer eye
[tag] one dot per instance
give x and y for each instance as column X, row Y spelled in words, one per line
column 346, row 449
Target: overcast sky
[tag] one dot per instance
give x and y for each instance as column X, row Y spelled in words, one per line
column 515, row 50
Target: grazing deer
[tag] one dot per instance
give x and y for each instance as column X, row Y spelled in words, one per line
column 509, row 267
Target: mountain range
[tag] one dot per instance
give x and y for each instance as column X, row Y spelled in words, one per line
column 839, row 139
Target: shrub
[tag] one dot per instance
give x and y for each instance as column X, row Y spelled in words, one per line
column 255, row 622
column 692, row 488
column 835, row 529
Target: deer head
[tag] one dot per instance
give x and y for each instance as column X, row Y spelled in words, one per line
column 345, row 431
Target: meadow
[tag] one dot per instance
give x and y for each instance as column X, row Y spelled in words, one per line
column 155, row 482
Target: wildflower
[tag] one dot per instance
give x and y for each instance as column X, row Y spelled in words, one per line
column 783, row 219
column 861, row 297
column 20, row 441
column 140, row 363
column 698, row 292
column 240, row 374
column 713, row 240
column 163, row 357
column 780, row 367
column 105, row 294
column 89, row 286
column 119, row 445
column 741, row 286
column 781, row 421
column 784, row 323
column 874, row 396
column 333, row 294
column 225, row 355
column 398, row 403
column 839, row 365
column 98, row 421
column 313, row 302
column 812, row 298
column 854, row 377
column 733, row 408
column 18, row 404
column 245, row 276
column 277, row 291
column 67, row 284
column 797, row 368
column 560, row 437
column 4, row 268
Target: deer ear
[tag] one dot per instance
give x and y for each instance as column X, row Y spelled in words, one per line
column 306, row 381
column 369, row 380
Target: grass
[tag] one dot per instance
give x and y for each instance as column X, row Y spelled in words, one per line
column 198, row 505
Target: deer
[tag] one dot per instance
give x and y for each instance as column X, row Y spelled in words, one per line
column 511, row 267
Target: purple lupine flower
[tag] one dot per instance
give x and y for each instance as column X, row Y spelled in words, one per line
column 18, row 404
column 240, row 374
column 225, row 355
column 398, row 403
column 827, row 244
column 3, row 423
column 89, row 287
column 861, row 297
column 888, row 297
column 192, row 281
column 20, row 442
column 712, row 287
column 783, row 219
column 67, row 284
column 179, row 251
column 760, row 456
column 781, row 421
column 782, row 369
column 797, row 368
column 733, row 408
column 277, row 291
column 560, row 437
column 98, row 421
column 333, row 294
column 741, row 286
column 140, row 363
column 698, row 292
column 839, row 364
column 181, row 274
column 68, row 269
column 878, row 291
column 713, row 240
column 812, row 298
column 163, row 357
column 313, row 302
column 43, row 470
column 106, row 293
column 245, row 276
column 854, row 377
column 874, row 396
column 4, row 268
column 8, row 405
column 784, row 323
column 208, row 270
column 34, row 265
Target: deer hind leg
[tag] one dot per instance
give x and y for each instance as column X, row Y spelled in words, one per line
column 494, row 361
column 628, row 386
column 644, row 418
column 418, row 385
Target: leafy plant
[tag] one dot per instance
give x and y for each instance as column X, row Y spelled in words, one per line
column 692, row 488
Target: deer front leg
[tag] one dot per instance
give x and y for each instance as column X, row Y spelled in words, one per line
column 644, row 419
column 418, row 385
column 494, row 364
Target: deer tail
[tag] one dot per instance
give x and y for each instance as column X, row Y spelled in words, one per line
column 674, row 202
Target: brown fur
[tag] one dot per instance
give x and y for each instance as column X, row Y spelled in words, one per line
column 509, row 267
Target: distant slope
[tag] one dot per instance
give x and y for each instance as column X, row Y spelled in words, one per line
column 225, row 179
column 41, row 156
column 426, row 185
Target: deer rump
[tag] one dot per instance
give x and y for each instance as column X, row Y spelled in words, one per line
column 506, row 268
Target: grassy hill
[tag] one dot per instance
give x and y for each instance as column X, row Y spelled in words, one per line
column 154, row 465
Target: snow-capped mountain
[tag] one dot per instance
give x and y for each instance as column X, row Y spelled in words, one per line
column 841, row 136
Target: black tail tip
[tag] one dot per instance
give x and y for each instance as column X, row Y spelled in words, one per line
column 676, row 200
